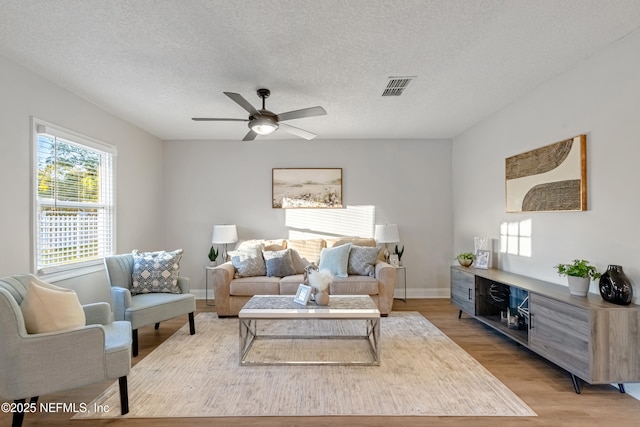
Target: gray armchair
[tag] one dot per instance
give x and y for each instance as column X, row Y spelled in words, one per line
column 145, row 309
column 33, row 365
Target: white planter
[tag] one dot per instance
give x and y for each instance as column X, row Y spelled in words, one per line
column 578, row 285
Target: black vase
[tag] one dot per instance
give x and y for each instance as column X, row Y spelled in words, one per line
column 615, row 286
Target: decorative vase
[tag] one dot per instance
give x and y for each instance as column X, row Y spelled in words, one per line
column 578, row 285
column 615, row 286
column 322, row 298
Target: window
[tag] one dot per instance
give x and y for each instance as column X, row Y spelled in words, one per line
column 74, row 200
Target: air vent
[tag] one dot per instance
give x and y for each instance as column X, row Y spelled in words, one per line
column 397, row 85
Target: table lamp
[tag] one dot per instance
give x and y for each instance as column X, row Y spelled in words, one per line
column 387, row 233
column 223, row 235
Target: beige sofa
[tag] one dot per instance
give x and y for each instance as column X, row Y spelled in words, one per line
column 232, row 292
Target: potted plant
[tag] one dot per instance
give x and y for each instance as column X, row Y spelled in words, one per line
column 579, row 273
column 213, row 254
column 399, row 253
column 465, row 259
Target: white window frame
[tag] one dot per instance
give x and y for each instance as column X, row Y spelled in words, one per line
column 65, row 271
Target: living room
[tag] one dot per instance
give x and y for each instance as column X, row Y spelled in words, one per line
column 441, row 191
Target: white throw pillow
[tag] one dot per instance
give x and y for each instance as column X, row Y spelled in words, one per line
column 49, row 308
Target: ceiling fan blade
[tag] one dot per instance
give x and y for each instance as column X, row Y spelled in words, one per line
column 239, row 99
column 297, row 131
column 209, row 119
column 305, row 112
column 250, row 136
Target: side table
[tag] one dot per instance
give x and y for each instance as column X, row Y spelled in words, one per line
column 207, row 272
column 401, row 278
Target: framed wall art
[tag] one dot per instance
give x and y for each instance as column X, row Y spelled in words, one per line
column 550, row 178
column 306, row 188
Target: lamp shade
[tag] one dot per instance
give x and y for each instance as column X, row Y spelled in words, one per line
column 387, row 233
column 223, row 234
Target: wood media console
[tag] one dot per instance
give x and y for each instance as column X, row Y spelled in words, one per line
column 592, row 339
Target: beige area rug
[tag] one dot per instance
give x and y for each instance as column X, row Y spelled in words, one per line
column 422, row 373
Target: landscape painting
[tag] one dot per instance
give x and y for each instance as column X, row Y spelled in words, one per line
column 550, row 178
column 307, row 188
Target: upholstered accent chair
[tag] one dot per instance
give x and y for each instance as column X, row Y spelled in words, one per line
column 145, row 308
column 32, row 365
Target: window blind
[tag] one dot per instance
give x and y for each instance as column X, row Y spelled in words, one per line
column 74, row 201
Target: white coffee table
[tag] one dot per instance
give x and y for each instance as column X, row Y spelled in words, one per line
column 282, row 307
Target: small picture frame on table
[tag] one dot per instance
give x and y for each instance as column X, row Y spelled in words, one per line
column 483, row 259
column 303, row 294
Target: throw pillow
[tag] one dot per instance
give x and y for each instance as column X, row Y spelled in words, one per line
column 248, row 260
column 156, row 272
column 49, row 308
column 335, row 260
column 279, row 263
column 299, row 263
column 362, row 260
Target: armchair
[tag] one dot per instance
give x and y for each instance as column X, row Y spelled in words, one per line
column 33, row 365
column 145, row 309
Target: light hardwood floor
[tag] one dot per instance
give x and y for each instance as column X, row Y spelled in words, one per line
column 544, row 387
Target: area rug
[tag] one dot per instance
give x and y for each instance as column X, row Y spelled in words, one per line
column 422, row 373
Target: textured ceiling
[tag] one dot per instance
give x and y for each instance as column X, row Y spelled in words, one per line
column 158, row 63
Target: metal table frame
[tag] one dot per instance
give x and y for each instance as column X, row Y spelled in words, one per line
column 248, row 331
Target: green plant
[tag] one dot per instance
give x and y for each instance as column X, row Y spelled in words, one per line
column 466, row 255
column 579, row 268
column 213, row 253
column 399, row 252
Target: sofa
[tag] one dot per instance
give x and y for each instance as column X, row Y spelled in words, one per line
column 276, row 267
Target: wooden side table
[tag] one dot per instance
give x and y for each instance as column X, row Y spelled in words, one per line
column 401, row 277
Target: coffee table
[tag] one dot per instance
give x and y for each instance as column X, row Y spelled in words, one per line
column 278, row 307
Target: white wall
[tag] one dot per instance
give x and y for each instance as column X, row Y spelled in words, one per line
column 229, row 182
column 600, row 97
column 139, row 169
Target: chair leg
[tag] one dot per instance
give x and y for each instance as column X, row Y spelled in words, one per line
column 124, row 395
column 18, row 417
column 134, row 342
column 157, row 325
column 192, row 324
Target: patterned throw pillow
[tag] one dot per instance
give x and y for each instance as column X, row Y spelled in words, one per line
column 156, row 272
column 248, row 260
column 362, row 260
column 279, row 263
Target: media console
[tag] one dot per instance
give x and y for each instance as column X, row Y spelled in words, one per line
column 592, row 339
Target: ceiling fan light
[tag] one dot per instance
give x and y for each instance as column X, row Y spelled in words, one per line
column 263, row 126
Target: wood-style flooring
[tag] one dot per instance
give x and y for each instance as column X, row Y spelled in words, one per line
column 544, row 387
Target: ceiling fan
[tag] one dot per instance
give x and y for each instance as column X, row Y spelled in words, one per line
column 265, row 122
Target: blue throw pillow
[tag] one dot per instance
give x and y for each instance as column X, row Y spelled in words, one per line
column 335, row 260
column 279, row 263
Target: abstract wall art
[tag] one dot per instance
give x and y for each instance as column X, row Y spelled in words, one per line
column 550, row 178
